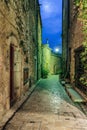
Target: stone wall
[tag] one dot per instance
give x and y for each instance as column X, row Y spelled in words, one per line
column 51, row 62
column 65, row 23
column 39, row 51
column 46, row 57
column 32, row 42
column 18, row 49
column 8, row 36
column 75, row 36
column 55, row 65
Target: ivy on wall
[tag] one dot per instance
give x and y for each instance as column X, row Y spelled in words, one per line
column 77, row 2
column 83, row 17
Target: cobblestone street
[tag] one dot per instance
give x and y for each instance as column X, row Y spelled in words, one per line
column 48, row 108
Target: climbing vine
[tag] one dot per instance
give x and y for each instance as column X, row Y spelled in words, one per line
column 77, row 2
column 83, row 17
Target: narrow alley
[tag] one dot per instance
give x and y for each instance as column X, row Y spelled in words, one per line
column 48, row 108
column 43, row 64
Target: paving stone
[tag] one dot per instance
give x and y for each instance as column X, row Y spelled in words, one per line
column 48, row 108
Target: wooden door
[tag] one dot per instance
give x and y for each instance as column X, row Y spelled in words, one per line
column 17, row 72
column 79, row 70
column 11, row 75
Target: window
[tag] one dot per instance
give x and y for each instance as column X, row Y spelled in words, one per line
column 25, row 75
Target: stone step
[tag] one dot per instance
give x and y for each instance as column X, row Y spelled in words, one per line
column 74, row 95
column 68, row 85
column 63, row 82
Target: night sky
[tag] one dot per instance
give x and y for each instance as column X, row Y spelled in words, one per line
column 51, row 13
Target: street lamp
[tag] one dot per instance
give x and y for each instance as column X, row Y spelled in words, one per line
column 56, row 50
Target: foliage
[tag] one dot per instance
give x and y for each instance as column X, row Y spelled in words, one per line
column 77, row 2
column 59, row 71
column 44, row 72
column 83, row 17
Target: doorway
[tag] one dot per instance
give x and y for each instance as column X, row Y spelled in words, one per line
column 79, row 69
column 11, row 75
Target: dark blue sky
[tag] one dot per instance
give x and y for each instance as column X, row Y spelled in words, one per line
column 51, row 13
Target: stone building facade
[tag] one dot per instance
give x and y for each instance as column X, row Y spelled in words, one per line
column 39, row 50
column 55, row 63
column 18, row 50
column 75, row 39
column 46, row 59
column 51, row 62
column 65, row 26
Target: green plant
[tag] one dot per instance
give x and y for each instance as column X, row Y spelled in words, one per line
column 77, row 2
column 44, row 72
column 83, row 18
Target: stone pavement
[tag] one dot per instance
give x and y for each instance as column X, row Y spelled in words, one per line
column 48, row 108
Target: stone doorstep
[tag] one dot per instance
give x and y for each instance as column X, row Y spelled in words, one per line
column 72, row 96
column 10, row 113
column 63, row 82
column 81, row 93
column 77, row 90
column 68, row 85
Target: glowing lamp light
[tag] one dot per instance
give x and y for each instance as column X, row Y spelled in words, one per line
column 56, row 50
